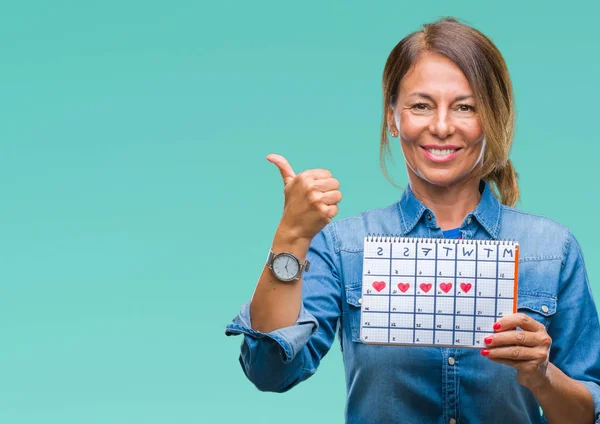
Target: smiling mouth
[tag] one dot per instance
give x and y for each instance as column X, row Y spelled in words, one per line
column 441, row 152
column 437, row 153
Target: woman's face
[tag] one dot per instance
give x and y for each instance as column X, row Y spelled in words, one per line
column 437, row 121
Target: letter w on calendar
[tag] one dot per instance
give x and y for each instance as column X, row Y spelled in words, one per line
column 436, row 292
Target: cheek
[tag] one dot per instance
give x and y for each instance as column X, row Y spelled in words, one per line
column 412, row 126
column 471, row 130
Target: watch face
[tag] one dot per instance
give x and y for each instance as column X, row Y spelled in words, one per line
column 285, row 266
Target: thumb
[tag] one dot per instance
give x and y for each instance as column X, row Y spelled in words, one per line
column 287, row 173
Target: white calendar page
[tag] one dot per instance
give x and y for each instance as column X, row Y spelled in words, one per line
column 436, row 292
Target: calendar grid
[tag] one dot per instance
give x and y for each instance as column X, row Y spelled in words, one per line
column 415, row 288
column 429, row 276
column 390, row 304
column 396, row 295
column 435, row 279
column 475, row 301
column 497, row 264
column 438, row 313
column 455, row 277
column 428, row 295
column 459, row 260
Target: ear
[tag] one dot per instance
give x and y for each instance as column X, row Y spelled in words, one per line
column 391, row 121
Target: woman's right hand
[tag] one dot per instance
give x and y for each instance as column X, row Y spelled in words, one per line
column 311, row 199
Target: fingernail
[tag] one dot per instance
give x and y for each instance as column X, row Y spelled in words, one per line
column 488, row 340
column 497, row 326
column 485, row 352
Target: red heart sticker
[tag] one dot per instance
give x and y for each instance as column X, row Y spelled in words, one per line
column 379, row 285
column 425, row 287
column 465, row 287
column 403, row 287
column 446, row 287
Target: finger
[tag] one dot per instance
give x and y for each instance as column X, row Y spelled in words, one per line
column 518, row 320
column 287, row 173
column 318, row 173
column 516, row 353
column 327, row 184
column 332, row 197
column 330, row 211
column 513, row 337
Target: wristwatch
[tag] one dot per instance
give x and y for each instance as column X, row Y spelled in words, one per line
column 285, row 266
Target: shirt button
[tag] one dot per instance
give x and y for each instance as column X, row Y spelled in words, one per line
column 429, row 216
column 451, row 361
column 452, row 421
column 360, row 301
column 544, row 308
column 468, row 220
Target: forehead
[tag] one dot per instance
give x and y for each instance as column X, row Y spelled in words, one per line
column 435, row 74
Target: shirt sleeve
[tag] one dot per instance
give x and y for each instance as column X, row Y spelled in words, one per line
column 279, row 360
column 575, row 329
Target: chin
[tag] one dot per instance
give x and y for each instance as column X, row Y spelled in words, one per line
column 441, row 179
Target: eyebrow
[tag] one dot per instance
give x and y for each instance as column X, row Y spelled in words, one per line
column 427, row 96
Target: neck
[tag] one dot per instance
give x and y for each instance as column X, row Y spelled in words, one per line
column 449, row 204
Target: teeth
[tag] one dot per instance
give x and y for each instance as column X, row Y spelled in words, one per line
column 440, row 152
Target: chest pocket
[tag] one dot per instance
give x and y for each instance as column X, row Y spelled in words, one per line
column 353, row 299
column 540, row 307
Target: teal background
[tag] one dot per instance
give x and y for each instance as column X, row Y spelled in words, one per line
column 137, row 206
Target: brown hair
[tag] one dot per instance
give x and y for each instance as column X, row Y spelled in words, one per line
column 487, row 73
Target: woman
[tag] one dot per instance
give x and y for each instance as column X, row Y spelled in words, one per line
column 447, row 96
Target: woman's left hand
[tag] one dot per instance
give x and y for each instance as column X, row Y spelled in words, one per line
column 527, row 350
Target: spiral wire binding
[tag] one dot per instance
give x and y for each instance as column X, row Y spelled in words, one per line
column 386, row 238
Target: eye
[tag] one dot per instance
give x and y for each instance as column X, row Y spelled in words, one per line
column 466, row 108
column 419, row 106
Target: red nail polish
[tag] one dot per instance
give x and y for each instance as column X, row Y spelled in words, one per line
column 485, row 352
column 488, row 340
column 497, row 326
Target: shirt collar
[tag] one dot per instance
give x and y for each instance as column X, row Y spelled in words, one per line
column 487, row 213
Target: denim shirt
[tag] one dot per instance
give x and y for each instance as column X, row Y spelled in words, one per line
column 408, row 384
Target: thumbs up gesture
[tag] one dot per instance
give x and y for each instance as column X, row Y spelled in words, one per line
column 311, row 198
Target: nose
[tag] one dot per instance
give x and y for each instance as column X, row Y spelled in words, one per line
column 441, row 124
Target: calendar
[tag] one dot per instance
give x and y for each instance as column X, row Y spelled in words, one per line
column 436, row 292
